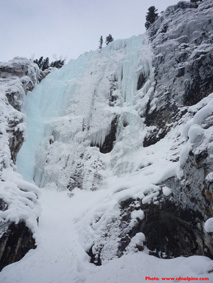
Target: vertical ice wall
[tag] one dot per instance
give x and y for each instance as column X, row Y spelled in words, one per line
column 40, row 107
column 75, row 107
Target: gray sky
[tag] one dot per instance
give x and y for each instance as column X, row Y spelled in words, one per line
column 68, row 28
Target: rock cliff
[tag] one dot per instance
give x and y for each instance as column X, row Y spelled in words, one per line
column 182, row 44
column 17, row 197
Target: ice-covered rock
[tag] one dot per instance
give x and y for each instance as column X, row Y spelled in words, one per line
column 19, row 207
column 182, row 42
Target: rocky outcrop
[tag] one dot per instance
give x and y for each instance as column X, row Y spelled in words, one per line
column 17, row 77
column 15, row 243
column 182, row 43
column 167, row 227
column 173, row 223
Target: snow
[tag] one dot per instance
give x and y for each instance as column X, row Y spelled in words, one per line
column 137, row 214
column 60, row 256
column 166, row 191
column 209, row 177
column 208, row 225
column 202, row 114
column 137, row 241
column 21, row 198
column 195, row 131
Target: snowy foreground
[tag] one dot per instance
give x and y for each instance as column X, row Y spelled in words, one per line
column 67, row 113
column 60, row 257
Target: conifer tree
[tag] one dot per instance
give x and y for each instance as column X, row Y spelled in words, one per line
column 57, row 64
column 109, row 39
column 151, row 16
column 40, row 62
column 101, row 42
column 45, row 64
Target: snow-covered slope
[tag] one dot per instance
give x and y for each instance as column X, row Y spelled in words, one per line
column 124, row 163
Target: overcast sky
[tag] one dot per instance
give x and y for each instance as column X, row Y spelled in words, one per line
column 68, row 28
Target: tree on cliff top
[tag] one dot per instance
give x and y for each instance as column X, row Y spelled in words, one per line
column 109, row 39
column 151, row 16
column 101, row 42
column 43, row 63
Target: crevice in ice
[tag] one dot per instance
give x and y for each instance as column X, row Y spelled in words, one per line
column 110, row 138
column 98, row 138
column 141, row 80
column 105, row 138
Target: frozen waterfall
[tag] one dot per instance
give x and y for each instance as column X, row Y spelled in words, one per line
column 74, row 108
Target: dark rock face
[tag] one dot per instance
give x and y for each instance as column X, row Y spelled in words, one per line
column 161, row 117
column 15, row 243
column 94, row 256
column 141, row 81
column 16, row 138
column 172, row 231
column 202, row 80
column 107, row 146
column 3, row 205
column 182, row 43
